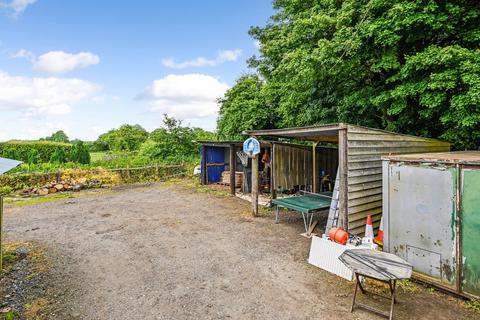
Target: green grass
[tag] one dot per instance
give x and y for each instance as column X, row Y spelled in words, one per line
column 473, row 305
column 97, row 156
column 10, row 315
column 40, row 199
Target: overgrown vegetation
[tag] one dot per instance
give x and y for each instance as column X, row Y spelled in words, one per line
column 126, row 147
column 33, row 151
column 126, row 138
column 174, row 143
column 406, row 66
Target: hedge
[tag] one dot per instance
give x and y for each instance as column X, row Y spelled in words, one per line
column 19, row 150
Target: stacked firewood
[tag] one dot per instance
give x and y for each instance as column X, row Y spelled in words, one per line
column 61, row 186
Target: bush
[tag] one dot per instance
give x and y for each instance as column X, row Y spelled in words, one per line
column 33, row 157
column 79, row 153
column 20, row 150
column 58, row 156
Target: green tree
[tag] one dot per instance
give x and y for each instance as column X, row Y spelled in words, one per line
column 58, row 136
column 58, row 156
column 174, row 142
column 406, row 66
column 126, row 138
column 243, row 107
column 80, row 153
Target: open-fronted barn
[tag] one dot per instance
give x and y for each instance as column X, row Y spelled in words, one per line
column 359, row 164
column 284, row 166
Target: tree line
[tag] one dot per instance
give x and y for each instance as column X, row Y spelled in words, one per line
column 405, row 66
column 172, row 143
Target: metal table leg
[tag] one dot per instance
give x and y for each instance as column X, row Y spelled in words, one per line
column 392, row 285
column 276, row 215
column 305, row 221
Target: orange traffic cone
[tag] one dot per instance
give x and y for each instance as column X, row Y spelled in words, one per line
column 379, row 238
column 369, row 228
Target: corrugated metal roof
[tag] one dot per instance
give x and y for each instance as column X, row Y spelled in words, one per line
column 471, row 157
column 308, row 133
column 7, row 164
column 325, row 132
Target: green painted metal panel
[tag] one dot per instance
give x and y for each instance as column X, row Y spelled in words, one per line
column 471, row 231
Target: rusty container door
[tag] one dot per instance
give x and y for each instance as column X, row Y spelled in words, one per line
column 421, row 219
column 471, row 231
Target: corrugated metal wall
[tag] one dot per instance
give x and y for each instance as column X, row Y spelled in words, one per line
column 365, row 148
column 294, row 164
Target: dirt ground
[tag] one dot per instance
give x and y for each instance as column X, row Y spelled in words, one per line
column 169, row 252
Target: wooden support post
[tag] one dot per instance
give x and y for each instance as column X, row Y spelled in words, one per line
column 254, row 193
column 232, row 169
column 203, row 163
column 314, row 157
column 1, row 233
column 343, row 171
column 273, row 184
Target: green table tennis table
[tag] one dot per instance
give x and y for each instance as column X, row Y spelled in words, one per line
column 306, row 203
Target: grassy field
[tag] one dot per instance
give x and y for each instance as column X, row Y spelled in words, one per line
column 97, row 156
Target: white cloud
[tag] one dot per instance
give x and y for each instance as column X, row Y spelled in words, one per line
column 222, row 56
column 104, row 98
column 189, row 96
column 98, row 130
column 25, row 54
column 57, row 62
column 37, row 96
column 16, row 7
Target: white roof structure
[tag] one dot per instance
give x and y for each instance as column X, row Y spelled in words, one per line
column 7, row 164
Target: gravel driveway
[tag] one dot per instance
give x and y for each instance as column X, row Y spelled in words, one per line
column 169, row 252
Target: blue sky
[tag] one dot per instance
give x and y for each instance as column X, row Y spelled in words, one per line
column 88, row 66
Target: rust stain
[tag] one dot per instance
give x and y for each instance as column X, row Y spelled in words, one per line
column 447, row 271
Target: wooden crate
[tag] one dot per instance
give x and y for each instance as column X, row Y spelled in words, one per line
column 238, row 178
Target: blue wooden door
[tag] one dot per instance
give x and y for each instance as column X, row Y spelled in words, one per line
column 215, row 157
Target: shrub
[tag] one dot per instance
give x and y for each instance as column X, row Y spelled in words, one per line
column 79, row 153
column 20, row 150
column 33, row 157
column 10, row 153
column 58, row 156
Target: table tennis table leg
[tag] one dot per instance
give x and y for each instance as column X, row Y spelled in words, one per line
column 309, row 222
column 276, row 215
column 305, row 221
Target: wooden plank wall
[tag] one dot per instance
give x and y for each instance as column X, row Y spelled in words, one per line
column 365, row 149
column 327, row 159
column 294, row 167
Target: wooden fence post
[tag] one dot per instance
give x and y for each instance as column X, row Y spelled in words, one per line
column 1, row 233
column 254, row 193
